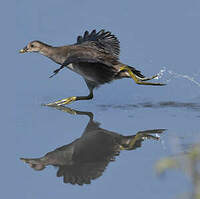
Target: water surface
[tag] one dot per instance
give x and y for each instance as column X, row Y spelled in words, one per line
column 155, row 36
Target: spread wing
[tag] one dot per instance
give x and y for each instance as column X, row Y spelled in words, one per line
column 88, row 57
column 103, row 40
column 101, row 47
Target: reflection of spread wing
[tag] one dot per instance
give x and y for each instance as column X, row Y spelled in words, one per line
column 92, row 153
column 103, row 41
column 82, row 173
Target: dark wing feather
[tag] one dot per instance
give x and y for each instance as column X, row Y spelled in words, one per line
column 104, row 45
column 92, row 154
column 103, row 40
column 85, row 57
column 81, row 173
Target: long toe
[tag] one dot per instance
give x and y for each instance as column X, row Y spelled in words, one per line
column 148, row 78
column 150, row 83
column 57, row 103
column 62, row 102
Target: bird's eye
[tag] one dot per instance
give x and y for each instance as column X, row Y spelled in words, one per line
column 32, row 45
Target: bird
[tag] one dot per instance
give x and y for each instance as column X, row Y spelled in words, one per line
column 86, row 158
column 94, row 56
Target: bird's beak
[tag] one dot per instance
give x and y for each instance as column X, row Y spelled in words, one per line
column 24, row 50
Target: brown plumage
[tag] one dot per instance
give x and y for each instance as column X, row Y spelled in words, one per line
column 95, row 56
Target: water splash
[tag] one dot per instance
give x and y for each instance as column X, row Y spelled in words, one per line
column 175, row 75
column 160, row 73
column 163, row 144
column 157, row 136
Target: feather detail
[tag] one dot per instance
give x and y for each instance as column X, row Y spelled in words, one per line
column 105, row 41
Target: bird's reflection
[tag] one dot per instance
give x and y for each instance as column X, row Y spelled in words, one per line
column 86, row 158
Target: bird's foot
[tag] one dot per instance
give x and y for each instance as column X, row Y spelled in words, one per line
column 150, row 83
column 62, row 101
column 140, row 80
column 148, row 78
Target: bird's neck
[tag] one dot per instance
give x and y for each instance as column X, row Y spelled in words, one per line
column 54, row 53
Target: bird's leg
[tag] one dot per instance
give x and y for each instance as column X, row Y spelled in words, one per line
column 147, row 78
column 57, row 71
column 71, row 99
column 140, row 80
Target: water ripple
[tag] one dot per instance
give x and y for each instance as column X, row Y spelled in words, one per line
column 162, row 104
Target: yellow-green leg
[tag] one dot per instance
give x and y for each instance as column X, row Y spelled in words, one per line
column 140, row 80
column 70, row 100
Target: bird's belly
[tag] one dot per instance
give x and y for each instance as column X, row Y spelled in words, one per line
column 77, row 69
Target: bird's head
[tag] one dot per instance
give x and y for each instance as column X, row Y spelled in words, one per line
column 34, row 46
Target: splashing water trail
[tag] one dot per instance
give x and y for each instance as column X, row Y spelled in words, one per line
column 163, row 144
column 175, row 75
column 157, row 136
column 185, row 77
column 160, row 73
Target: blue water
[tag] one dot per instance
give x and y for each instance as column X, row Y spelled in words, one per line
column 154, row 36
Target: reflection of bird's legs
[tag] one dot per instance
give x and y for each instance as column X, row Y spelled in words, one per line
column 73, row 111
column 141, row 136
column 139, row 80
column 131, row 142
